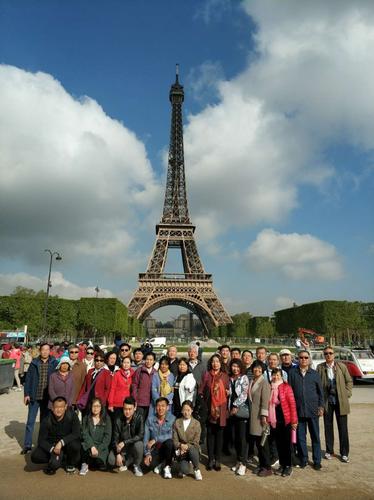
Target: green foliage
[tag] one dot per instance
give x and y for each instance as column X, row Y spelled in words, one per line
column 238, row 328
column 261, row 326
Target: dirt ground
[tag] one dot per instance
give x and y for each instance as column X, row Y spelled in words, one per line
column 22, row 480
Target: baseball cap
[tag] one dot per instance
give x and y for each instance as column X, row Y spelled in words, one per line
column 285, row 351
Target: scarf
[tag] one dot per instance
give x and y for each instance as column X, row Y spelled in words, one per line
column 165, row 388
column 274, row 401
column 217, row 395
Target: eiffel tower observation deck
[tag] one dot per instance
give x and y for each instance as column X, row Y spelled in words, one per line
column 192, row 289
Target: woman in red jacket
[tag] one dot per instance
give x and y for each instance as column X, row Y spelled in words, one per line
column 121, row 385
column 96, row 384
column 283, row 419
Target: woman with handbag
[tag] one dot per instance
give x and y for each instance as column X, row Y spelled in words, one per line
column 214, row 389
column 97, row 384
column 184, row 387
column 239, row 413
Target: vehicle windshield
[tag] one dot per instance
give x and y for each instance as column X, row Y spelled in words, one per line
column 364, row 354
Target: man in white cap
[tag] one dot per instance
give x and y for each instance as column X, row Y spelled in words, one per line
column 286, row 360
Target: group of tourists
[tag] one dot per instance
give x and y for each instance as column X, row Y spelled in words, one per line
column 123, row 410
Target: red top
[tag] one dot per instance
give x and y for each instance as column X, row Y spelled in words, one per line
column 288, row 404
column 120, row 389
column 102, row 384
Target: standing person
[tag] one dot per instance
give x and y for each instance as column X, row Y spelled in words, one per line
column 239, row 413
column 121, row 386
column 163, row 383
column 15, row 353
column 137, row 358
column 184, row 387
column 89, row 359
column 307, row 388
column 158, row 442
column 172, row 354
column 225, row 354
column 186, row 439
column 142, row 384
column 247, row 359
column 128, row 434
column 111, row 362
column 36, row 391
column 337, row 387
column 78, row 370
column 96, row 437
column 59, row 438
column 27, row 358
column 124, row 352
column 214, row 389
column 282, row 419
column 96, row 384
column 272, row 364
column 286, row 360
column 235, row 353
column 261, row 354
column 61, row 382
column 259, row 394
column 197, row 368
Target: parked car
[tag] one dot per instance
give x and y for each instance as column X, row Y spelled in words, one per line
column 317, row 357
column 158, row 342
column 360, row 362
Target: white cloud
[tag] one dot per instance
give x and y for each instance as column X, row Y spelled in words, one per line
column 213, row 10
column 71, row 177
column 202, row 81
column 296, row 256
column 309, row 86
column 60, row 286
column 284, row 302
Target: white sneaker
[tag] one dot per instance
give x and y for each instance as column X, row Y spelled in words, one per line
column 157, row 469
column 345, row 459
column 328, row 456
column 167, row 472
column 123, row 468
column 235, row 467
column 241, row 470
column 137, row 471
column 198, row 475
column 84, row 469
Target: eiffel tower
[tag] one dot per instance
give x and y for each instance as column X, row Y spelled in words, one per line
column 192, row 289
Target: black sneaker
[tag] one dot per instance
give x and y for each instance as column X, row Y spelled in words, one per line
column 25, row 451
column 210, row 465
column 49, row 471
column 287, row 471
column 317, row 466
column 217, row 466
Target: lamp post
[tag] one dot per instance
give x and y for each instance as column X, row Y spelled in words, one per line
column 49, row 284
column 97, row 290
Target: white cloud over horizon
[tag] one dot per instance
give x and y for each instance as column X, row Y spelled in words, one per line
column 295, row 256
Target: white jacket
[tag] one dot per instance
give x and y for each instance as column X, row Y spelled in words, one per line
column 187, row 388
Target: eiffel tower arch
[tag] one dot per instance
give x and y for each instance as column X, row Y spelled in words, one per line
column 192, row 289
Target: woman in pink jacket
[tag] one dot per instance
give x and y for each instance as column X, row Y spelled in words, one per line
column 16, row 354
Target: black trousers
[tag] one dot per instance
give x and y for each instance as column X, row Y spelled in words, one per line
column 214, row 441
column 263, row 452
column 342, row 422
column 70, row 455
column 163, row 453
column 240, row 426
column 282, row 439
column 228, row 436
column 273, row 449
column 95, row 462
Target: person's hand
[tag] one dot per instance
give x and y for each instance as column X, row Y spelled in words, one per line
column 147, row 460
column 151, row 443
column 120, row 446
column 264, row 421
column 110, row 408
column 57, row 448
column 234, row 411
column 184, row 448
column 119, row 461
column 94, row 451
column 320, row 411
column 294, row 426
column 26, row 400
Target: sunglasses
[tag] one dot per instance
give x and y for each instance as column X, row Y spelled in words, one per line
column 99, row 360
column 90, row 352
column 328, row 353
column 74, row 352
column 125, row 349
column 303, row 357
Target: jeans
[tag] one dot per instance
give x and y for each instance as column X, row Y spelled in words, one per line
column 70, row 454
column 313, row 426
column 342, row 422
column 31, row 418
column 131, row 454
column 214, row 440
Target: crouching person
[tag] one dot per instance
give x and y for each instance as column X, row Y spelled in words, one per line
column 128, row 434
column 59, row 439
column 158, row 442
column 186, row 438
column 96, row 437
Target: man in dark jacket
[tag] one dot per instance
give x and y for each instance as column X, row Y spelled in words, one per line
column 36, row 391
column 307, row 388
column 59, row 439
column 128, row 434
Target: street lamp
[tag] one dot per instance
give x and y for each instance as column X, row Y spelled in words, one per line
column 97, row 290
column 49, row 284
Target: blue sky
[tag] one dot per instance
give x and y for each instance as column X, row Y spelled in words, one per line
column 279, row 114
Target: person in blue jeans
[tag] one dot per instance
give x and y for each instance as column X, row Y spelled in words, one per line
column 36, row 391
column 307, row 387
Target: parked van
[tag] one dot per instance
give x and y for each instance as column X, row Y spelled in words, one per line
column 158, row 342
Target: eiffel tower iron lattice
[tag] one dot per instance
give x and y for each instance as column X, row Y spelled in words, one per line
column 192, row 289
